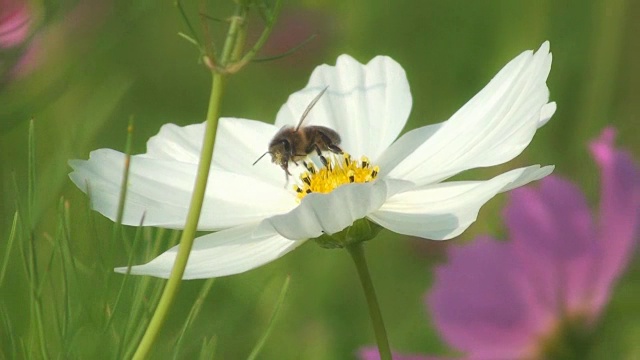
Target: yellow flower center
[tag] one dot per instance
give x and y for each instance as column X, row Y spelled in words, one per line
column 338, row 171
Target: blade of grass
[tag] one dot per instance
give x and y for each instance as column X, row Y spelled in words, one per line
column 136, row 311
column 272, row 321
column 35, row 301
column 31, row 178
column 54, row 300
column 21, row 234
column 125, row 281
column 36, row 305
column 139, row 332
column 208, row 350
column 117, row 226
column 145, row 308
column 93, row 226
column 67, row 241
column 193, row 313
column 139, row 304
column 6, row 323
column 63, row 318
column 139, row 315
column 25, row 349
column 48, row 267
column 139, row 308
column 10, row 241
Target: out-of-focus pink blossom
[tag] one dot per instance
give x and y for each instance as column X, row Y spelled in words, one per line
column 30, row 45
column 296, row 26
column 15, row 20
column 372, row 354
column 498, row 300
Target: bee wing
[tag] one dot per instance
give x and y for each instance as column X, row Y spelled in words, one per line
column 308, row 109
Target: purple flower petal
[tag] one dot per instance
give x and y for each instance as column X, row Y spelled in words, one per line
column 553, row 236
column 371, row 353
column 15, row 19
column 619, row 212
column 498, row 300
column 480, row 303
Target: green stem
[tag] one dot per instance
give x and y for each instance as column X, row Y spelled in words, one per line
column 260, row 42
column 357, row 254
column 191, row 226
column 235, row 38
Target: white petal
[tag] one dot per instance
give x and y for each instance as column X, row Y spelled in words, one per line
column 223, row 253
column 546, row 113
column 173, row 142
column 490, row 129
column 368, row 105
column 443, row 211
column 239, row 143
column 161, row 191
column 329, row 213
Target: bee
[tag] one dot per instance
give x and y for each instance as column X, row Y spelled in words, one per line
column 292, row 144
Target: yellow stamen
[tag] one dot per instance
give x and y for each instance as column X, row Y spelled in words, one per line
column 365, row 162
column 306, row 178
column 338, row 171
column 310, row 167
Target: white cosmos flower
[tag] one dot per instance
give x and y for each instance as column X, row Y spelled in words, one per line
column 258, row 219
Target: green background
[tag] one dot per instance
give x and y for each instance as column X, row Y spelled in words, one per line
column 105, row 62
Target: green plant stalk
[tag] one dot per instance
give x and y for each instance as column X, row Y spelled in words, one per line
column 235, row 36
column 36, row 301
column 260, row 42
column 193, row 313
column 12, row 236
column 117, row 227
column 263, row 340
column 357, row 254
column 188, row 235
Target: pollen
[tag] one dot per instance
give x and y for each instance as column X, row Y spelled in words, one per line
column 340, row 170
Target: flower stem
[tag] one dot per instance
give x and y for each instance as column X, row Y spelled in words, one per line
column 357, row 254
column 188, row 235
column 197, row 198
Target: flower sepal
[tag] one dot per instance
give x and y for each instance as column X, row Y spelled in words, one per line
column 361, row 230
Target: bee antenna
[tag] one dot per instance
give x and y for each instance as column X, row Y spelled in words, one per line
column 261, row 156
column 311, row 105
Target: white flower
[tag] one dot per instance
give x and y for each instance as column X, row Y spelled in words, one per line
column 259, row 219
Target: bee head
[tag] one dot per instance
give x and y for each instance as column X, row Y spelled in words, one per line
column 280, row 150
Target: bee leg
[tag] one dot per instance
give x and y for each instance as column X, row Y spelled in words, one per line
column 329, row 143
column 285, row 167
column 287, row 173
column 335, row 149
column 319, row 152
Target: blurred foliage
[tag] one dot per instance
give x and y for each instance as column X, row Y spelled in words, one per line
column 102, row 62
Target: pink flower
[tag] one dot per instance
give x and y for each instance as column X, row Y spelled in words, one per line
column 15, row 19
column 312, row 28
column 511, row 300
column 16, row 49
